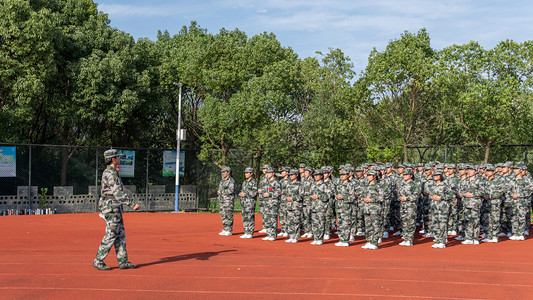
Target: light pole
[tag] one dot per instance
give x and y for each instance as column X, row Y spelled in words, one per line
column 178, row 137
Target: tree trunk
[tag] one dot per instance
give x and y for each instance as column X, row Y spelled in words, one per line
column 405, row 151
column 487, row 151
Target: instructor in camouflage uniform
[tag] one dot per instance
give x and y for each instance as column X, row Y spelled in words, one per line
column 226, row 200
column 248, row 196
column 111, row 204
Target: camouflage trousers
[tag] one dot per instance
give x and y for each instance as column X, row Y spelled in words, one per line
column 395, row 219
column 271, row 207
column 460, row 218
column 528, row 212
column 493, row 226
column 318, row 216
column 385, row 209
column 115, row 235
column 283, row 216
column 484, row 214
column 248, row 215
column 472, row 209
column 359, row 217
column 519, row 216
column 452, row 221
column 262, row 211
column 330, row 217
column 506, row 215
column 408, row 215
column 424, row 203
column 439, row 211
column 306, row 219
column 373, row 219
column 226, row 214
column 293, row 223
column 345, row 220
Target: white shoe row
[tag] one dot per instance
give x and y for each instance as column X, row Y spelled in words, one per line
column 246, row 236
column 318, row 243
column 370, row 246
column 470, row 242
column 283, row 234
column 517, row 238
column 439, row 246
column 269, row 239
column 341, row 244
column 225, row 233
column 406, row 243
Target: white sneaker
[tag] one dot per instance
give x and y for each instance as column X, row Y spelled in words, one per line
column 309, row 235
column 520, row 238
column 244, row 236
column 294, row 241
column 408, row 244
column 339, row 244
column 385, row 235
column 372, row 247
column 459, row 238
column 441, row 246
column 285, row 234
column 318, row 243
column 380, row 241
column 280, row 234
column 513, row 237
column 313, row 242
column 262, row 231
column 268, row 239
column 360, row 233
column 365, row 246
column 402, row 243
column 326, row 237
column 493, row 240
column 249, row 236
column 476, row 242
column 502, row 234
column 223, row 232
column 397, row 233
column 452, row 232
column 422, row 231
column 467, row 242
column 434, row 246
column 288, row 241
column 352, row 239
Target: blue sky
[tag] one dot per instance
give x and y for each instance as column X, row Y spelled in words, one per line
column 356, row 27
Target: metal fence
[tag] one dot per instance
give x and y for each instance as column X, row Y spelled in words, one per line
column 75, row 188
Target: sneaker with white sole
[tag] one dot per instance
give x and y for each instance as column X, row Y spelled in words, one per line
column 326, row 237
column 402, row 243
column 244, row 236
column 520, row 238
column 459, row 238
column 280, row 234
column 476, row 242
column 452, row 232
column 313, row 242
column 422, row 231
column 285, row 234
column 385, row 235
column 372, row 247
column 502, row 234
column 262, row 231
column 397, row 233
column 294, row 241
column 380, row 241
column 513, row 237
column 341, row 244
column 360, row 233
column 365, row 246
column 467, row 242
column 440, row 246
column 352, row 239
column 319, row 242
column 288, row 241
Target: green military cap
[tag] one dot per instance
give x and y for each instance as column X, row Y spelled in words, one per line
column 308, row 168
column 359, row 169
column 344, row 172
column 318, row 171
column 521, row 166
column 400, row 166
column 112, row 153
column 351, row 169
column 341, row 167
column 420, row 165
column 461, row 166
column 508, row 164
column 409, row 166
column 371, row 173
column 294, row 172
column 428, row 166
column 330, row 168
column 451, row 166
column 489, row 167
column 249, row 170
column 270, row 170
column 470, row 166
column 437, row 172
column 482, row 166
column 225, row 169
column 389, row 165
column 408, row 172
column 303, row 166
column 286, row 169
column 498, row 165
column 265, row 167
column 439, row 166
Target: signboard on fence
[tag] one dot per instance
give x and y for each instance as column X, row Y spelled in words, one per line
column 8, row 161
column 127, row 164
column 169, row 163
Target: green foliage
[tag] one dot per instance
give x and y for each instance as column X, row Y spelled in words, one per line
column 42, row 198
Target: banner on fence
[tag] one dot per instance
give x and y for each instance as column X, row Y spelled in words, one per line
column 127, row 164
column 169, row 163
column 8, row 161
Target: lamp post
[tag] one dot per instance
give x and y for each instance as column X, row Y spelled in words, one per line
column 178, row 138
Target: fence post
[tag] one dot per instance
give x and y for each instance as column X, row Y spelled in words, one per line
column 29, row 177
column 525, row 154
column 147, row 173
column 445, row 154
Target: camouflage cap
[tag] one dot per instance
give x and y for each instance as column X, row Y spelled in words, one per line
column 371, row 173
column 521, row 166
column 318, row 171
column 498, row 165
column 400, row 166
column 249, row 170
column 489, row 167
column 439, row 166
column 420, row 165
column 452, row 166
column 308, row 168
column 348, row 165
column 225, row 169
column 461, row 166
column 330, row 168
column 408, row 172
column 470, row 167
column 437, row 172
column 270, row 170
column 389, row 165
column 344, row 172
column 284, row 169
column 302, row 165
column 359, row 169
column 341, row 167
column 508, row 164
column 294, row 172
column 428, row 166
column 112, row 153
column 265, row 167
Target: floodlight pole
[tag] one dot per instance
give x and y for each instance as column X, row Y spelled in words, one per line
column 178, row 137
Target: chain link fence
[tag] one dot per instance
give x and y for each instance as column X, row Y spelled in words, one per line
column 73, row 186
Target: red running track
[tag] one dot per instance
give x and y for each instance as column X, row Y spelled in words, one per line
column 181, row 256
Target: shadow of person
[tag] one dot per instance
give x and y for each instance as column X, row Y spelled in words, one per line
column 198, row 256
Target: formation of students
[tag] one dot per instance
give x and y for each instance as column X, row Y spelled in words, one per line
column 470, row 203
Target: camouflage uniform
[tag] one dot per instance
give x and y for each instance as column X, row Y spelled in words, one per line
column 472, row 206
column 271, row 206
column 359, row 215
column 388, row 183
column 439, row 209
column 410, row 190
column 506, row 215
column 372, row 210
column 345, row 210
column 452, row 181
column 294, row 207
column 319, row 207
column 424, row 203
column 249, row 188
column 226, row 199
column 283, row 206
column 522, row 187
column 330, row 215
column 307, row 183
column 262, row 186
column 494, row 188
column 111, row 205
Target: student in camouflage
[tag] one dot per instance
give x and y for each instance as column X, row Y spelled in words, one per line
column 260, row 191
column 359, row 215
column 408, row 192
column 226, row 200
column 330, row 216
column 292, row 196
column 111, row 205
column 452, row 179
column 271, row 198
column 440, row 195
column 494, row 190
column 248, row 196
column 320, row 195
column 520, row 189
column 372, row 194
column 426, row 177
column 507, row 202
column 471, row 190
column 282, row 206
column 345, row 202
column 307, row 182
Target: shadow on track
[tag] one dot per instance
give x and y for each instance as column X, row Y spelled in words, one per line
column 198, row 256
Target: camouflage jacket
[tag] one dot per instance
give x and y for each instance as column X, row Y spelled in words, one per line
column 273, row 188
column 495, row 187
column 226, row 187
column 249, row 188
column 113, row 196
column 324, row 194
column 374, row 191
column 522, row 186
column 262, row 184
column 295, row 191
column 411, row 190
column 471, row 185
column 441, row 189
column 307, row 184
column 331, row 186
column 347, row 191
